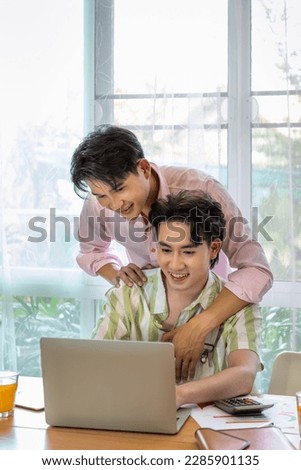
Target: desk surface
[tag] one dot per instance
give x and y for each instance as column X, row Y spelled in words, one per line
column 28, row 430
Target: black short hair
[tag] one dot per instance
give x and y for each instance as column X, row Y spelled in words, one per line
column 195, row 208
column 109, row 154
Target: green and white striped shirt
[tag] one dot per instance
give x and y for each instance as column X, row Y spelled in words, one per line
column 137, row 314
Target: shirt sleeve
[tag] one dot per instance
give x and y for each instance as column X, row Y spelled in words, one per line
column 95, row 248
column 252, row 277
column 243, row 330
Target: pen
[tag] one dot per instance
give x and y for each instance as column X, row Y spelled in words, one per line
column 253, row 417
column 241, row 418
column 249, row 421
column 264, row 425
column 221, row 416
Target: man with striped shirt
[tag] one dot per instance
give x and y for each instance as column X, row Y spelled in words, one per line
column 190, row 230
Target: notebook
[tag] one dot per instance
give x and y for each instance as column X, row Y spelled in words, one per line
column 263, row 438
column 211, row 439
column 110, row 384
column 30, row 393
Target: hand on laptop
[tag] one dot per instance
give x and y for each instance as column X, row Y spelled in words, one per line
column 188, row 341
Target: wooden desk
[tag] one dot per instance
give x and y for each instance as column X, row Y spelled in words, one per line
column 28, row 430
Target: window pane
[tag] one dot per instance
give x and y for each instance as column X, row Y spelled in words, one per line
column 276, row 133
column 281, row 332
column 167, row 78
column 279, row 109
column 170, row 46
column 206, row 151
column 276, row 192
column 276, row 44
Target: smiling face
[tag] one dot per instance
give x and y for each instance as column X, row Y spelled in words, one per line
column 130, row 197
column 184, row 264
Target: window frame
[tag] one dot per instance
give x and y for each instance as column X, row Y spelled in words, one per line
column 240, row 96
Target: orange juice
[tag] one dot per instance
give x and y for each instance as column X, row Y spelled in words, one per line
column 299, row 417
column 7, row 396
column 298, row 398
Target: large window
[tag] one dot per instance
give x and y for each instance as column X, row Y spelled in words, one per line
column 216, row 85
column 211, row 84
column 276, row 171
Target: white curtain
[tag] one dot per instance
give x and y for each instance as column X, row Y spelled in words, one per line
column 8, row 359
column 41, row 116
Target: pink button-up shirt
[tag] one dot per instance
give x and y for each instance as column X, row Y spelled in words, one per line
column 251, row 277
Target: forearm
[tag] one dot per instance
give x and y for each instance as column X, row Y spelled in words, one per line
column 223, row 307
column 189, row 338
column 228, row 383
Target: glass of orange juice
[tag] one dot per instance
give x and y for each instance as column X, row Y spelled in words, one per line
column 298, row 398
column 8, row 387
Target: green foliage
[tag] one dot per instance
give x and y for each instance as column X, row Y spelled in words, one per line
column 281, row 332
column 39, row 316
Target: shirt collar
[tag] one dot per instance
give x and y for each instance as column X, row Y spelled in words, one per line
column 162, row 193
column 163, row 186
column 204, row 299
column 160, row 304
column 208, row 293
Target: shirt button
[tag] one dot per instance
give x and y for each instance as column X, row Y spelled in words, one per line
column 153, row 250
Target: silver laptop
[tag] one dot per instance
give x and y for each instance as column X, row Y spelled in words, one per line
column 110, row 384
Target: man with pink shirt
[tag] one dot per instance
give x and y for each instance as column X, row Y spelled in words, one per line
column 122, row 184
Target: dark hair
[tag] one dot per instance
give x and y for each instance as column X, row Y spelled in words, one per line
column 109, row 154
column 195, row 208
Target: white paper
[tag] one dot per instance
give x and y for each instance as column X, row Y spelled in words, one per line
column 283, row 415
column 30, row 393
